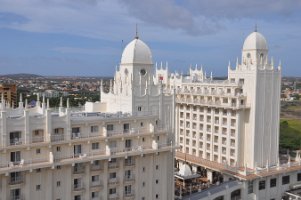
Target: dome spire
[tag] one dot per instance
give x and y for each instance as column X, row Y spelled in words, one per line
column 136, row 37
column 255, row 28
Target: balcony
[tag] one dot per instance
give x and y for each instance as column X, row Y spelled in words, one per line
column 78, row 169
column 129, row 163
column 57, row 137
column 36, row 139
column 15, row 141
column 16, row 180
column 17, row 197
column 113, row 180
column 129, row 177
column 129, row 195
column 113, row 196
column 75, row 136
column 113, row 165
column 78, row 186
column 94, row 167
column 96, row 184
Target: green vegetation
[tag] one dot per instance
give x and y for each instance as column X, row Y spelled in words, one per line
column 290, row 134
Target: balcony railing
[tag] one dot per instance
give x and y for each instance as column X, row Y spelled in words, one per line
column 17, row 197
column 78, row 169
column 16, row 180
column 78, row 186
column 129, row 163
column 113, row 180
column 57, row 137
column 36, row 139
column 129, row 177
column 113, row 165
column 15, row 141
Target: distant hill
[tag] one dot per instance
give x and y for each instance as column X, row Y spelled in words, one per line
column 21, row 75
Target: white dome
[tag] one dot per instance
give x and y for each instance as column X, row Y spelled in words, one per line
column 255, row 41
column 185, row 170
column 136, row 52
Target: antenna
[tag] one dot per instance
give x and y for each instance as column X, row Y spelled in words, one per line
column 137, row 37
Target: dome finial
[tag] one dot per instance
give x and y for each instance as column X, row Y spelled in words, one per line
column 255, row 30
column 136, row 37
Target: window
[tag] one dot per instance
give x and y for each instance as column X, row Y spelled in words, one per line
column 157, row 181
column 94, row 129
column 126, row 128
column 94, row 194
column 128, row 189
column 38, row 187
column 128, row 143
column 143, row 184
column 58, row 149
column 273, row 182
column 58, row 183
column 38, row 170
column 77, row 149
column 127, row 174
column 285, row 180
column 250, row 187
column 58, row 167
column 15, row 156
column 15, row 137
column 112, row 191
column 299, row 177
column 143, row 169
column 139, row 108
column 77, row 197
column 141, row 124
column 38, row 151
column 95, row 178
column 157, row 196
column 95, row 145
column 15, row 193
column 112, row 175
column 110, row 127
column 261, row 185
column 157, row 167
column 15, row 177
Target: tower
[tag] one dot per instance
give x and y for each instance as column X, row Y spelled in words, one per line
column 260, row 81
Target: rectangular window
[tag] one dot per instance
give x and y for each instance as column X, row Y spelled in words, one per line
column 299, row 177
column 261, row 185
column 112, row 191
column 38, row 187
column 273, row 182
column 94, row 129
column 128, row 143
column 128, row 189
column 285, row 180
column 15, row 137
column 112, row 175
column 126, row 128
column 94, row 194
column 95, row 178
column 250, row 187
column 110, row 127
column 77, row 149
column 15, row 177
column 15, row 193
column 15, row 156
column 95, row 145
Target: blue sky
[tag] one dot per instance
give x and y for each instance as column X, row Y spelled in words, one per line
column 84, row 37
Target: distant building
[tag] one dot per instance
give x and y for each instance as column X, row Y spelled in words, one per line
column 9, row 91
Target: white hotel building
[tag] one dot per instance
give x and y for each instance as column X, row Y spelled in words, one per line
column 230, row 128
column 118, row 148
